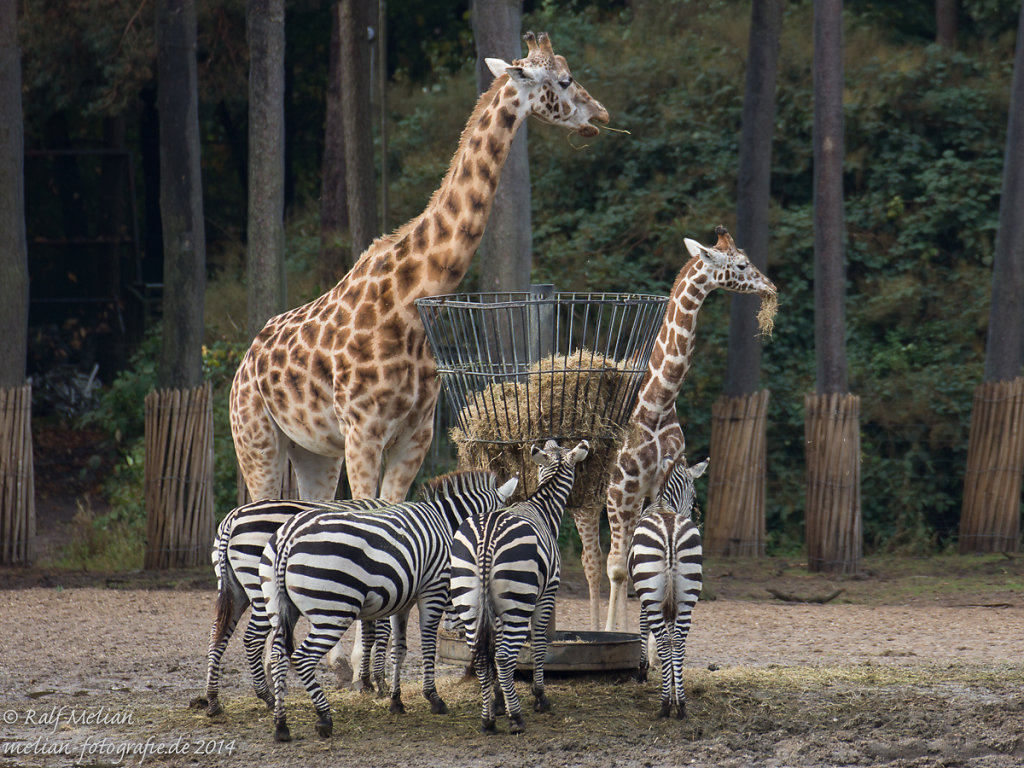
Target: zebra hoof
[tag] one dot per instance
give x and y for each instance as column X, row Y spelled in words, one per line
column 281, row 732
column 268, row 699
column 517, row 725
column 681, row 712
column 488, row 726
column 437, row 705
column 499, row 705
column 641, row 675
column 214, row 708
column 542, row 704
column 665, row 711
column 325, row 727
column 396, row 707
column 365, row 685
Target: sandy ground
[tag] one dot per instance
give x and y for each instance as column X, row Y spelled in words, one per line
column 92, row 674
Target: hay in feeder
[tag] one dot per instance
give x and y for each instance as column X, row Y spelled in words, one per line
column 766, row 314
column 567, row 398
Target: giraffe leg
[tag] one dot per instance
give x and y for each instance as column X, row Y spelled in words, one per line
column 317, row 475
column 588, row 526
column 404, row 459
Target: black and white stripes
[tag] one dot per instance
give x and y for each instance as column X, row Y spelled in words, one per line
column 665, row 563
column 505, row 572
column 334, row 568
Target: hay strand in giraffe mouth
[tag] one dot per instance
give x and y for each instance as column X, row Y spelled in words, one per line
column 766, row 314
column 568, row 136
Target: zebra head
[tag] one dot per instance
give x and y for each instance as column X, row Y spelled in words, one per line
column 552, row 456
column 678, row 493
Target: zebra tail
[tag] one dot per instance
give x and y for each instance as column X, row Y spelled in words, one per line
column 484, row 642
column 225, row 592
column 669, row 605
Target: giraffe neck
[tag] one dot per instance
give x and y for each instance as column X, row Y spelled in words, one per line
column 670, row 359
column 446, row 235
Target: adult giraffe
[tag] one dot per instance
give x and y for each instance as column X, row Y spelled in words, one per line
column 654, row 432
column 348, row 379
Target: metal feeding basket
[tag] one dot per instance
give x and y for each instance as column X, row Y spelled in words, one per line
column 522, row 367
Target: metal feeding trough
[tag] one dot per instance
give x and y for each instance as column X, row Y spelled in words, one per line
column 524, row 367
column 568, row 651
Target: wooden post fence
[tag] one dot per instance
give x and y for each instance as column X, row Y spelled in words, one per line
column 179, row 477
column 832, row 435
column 17, row 481
column 990, row 517
column 735, row 521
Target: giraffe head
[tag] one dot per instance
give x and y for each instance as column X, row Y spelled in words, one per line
column 728, row 266
column 547, row 88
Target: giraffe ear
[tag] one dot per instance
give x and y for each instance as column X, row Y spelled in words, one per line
column 501, row 67
column 699, row 251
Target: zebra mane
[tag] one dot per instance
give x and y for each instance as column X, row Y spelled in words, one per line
column 458, row 483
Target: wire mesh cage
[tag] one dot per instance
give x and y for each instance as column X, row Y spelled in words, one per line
column 527, row 366
column 521, row 368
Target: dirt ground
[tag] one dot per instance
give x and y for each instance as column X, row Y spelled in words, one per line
column 914, row 663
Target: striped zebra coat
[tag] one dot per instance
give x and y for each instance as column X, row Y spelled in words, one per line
column 665, row 563
column 237, row 547
column 506, row 569
column 334, row 568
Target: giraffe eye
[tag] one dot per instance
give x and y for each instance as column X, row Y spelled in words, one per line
column 565, row 83
column 742, row 267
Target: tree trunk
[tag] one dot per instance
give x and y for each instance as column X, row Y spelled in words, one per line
column 506, row 248
column 829, row 268
column 265, row 241
column 13, row 244
column 356, row 117
column 335, row 258
column 945, row 23
column 181, row 202
column 832, row 415
column 743, row 368
column 1004, row 350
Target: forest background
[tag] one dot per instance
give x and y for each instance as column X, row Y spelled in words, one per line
column 925, row 129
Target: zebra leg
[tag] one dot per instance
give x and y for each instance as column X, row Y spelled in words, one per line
column 680, row 630
column 321, row 638
column 541, row 619
column 381, row 638
column 231, row 604
column 279, row 671
column 431, row 611
column 367, row 637
column 255, row 640
column 505, row 657
column 663, row 637
column 399, row 627
column 645, row 664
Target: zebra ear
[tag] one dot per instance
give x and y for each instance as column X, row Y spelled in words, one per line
column 505, row 492
column 579, row 453
column 698, row 469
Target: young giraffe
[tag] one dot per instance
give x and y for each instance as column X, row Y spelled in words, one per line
column 348, row 379
column 654, row 432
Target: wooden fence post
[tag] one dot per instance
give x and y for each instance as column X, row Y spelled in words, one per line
column 990, row 517
column 735, row 521
column 832, row 437
column 17, row 481
column 179, row 477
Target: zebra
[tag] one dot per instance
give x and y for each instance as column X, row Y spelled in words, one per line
column 505, row 572
column 237, row 546
column 334, row 568
column 665, row 563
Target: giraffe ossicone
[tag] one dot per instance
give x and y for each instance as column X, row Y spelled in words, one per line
column 654, row 432
column 348, row 379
